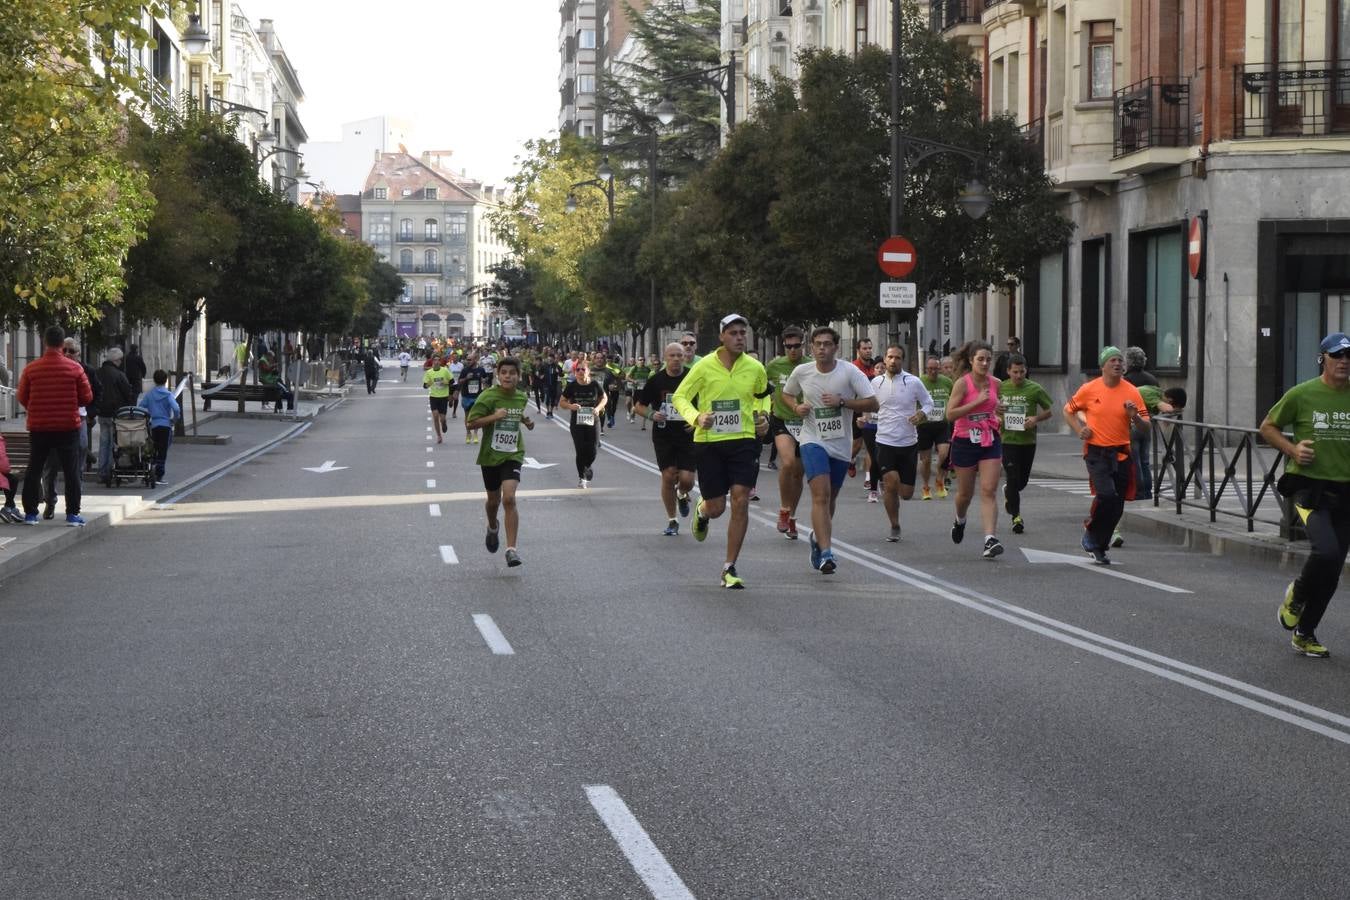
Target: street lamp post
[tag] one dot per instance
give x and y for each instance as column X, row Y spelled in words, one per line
column 606, row 184
column 907, row 152
column 666, row 109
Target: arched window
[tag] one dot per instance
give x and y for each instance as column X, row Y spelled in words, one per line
column 429, row 293
column 433, row 228
column 429, row 260
column 405, row 231
column 405, row 260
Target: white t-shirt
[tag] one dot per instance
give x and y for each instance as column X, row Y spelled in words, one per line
column 897, row 399
column 829, row 427
column 456, row 367
column 568, row 366
column 405, row 359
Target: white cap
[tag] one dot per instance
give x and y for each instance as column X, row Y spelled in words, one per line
column 732, row 319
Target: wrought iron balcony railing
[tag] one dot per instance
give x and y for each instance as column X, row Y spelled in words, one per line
column 1312, row 98
column 1152, row 113
column 945, row 14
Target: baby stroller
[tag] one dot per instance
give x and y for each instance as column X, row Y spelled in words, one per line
column 134, row 457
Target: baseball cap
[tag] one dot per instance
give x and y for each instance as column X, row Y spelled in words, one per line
column 1336, row 341
column 733, row 319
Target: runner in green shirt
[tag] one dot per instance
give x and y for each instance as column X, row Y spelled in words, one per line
column 785, row 429
column 635, row 379
column 500, row 412
column 1027, row 405
column 938, row 433
column 1317, row 479
column 437, row 380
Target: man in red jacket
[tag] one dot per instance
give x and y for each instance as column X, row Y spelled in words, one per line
column 52, row 389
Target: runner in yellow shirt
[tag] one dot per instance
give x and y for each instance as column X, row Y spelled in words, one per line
column 437, row 381
column 728, row 427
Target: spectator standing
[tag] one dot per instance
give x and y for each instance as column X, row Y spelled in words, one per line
column 1005, row 358
column 1141, row 443
column 116, row 393
column 53, row 388
column 88, row 413
column 164, row 411
column 135, row 369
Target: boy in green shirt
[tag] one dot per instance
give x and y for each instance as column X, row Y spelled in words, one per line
column 1026, row 405
column 935, row 434
column 500, row 411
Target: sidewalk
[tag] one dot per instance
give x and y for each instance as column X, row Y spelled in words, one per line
column 223, row 440
column 1060, row 456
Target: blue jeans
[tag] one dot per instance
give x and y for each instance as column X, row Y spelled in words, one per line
column 1141, row 448
column 107, row 447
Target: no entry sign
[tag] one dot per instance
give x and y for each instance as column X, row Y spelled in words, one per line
column 1195, row 247
column 896, row 257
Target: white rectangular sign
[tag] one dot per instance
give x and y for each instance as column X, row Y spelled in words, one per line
column 899, row 295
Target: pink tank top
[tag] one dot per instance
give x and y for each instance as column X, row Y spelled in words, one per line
column 981, row 423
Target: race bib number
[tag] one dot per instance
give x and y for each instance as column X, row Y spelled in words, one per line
column 726, row 417
column 829, row 422
column 586, row 415
column 437, row 382
column 670, row 412
column 506, row 436
column 640, row 383
column 471, row 387
column 1015, row 421
column 976, row 435
column 794, row 427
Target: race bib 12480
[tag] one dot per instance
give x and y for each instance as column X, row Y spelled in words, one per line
column 726, row 417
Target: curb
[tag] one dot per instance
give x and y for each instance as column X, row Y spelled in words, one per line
column 103, row 519
column 1282, row 554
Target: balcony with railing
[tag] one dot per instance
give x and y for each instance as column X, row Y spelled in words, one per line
column 419, row 237
column 419, row 270
column 1152, row 126
column 1312, row 99
column 1034, row 134
column 961, row 16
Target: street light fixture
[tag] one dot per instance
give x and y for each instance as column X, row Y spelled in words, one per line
column 975, row 199
column 265, row 136
column 196, row 39
column 712, row 76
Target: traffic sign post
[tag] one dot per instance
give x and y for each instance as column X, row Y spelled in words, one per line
column 899, row 295
column 896, row 256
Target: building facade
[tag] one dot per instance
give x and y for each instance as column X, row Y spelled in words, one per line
column 342, row 166
column 578, row 71
column 432, row 226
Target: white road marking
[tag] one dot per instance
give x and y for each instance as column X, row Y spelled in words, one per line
column 428, row 437
column 448, row 555
column 642, row 854
column 435, row 510
column 493, row 635
column 431, row 449
column 428, row 428
column 1046, row 556
column 431, row 483
column 431, row 464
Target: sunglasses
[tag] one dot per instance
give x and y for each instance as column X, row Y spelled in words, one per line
column 688, row 343
column 796, row 346
column 77, row 353
column 1338, row 354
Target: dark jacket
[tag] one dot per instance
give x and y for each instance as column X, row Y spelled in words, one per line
column 52, row 389
column 135, row 368
column 117, row 390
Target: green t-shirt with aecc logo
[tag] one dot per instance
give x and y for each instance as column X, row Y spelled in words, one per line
column 504, row 440
column 778, row 370
column 939, row 388
column 1317, row 412
column 1022, row 403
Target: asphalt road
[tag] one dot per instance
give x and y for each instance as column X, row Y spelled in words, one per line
column 278, row 687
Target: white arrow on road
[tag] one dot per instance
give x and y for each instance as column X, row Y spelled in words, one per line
column 1045, row 556
column 532, row 463
column 328, row 466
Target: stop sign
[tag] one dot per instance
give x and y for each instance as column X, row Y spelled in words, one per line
column 896, row 256
column 1195, row 247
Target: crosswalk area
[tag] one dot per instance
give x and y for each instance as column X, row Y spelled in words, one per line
column 1080, row 487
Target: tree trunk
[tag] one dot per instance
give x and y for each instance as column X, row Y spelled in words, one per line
column 180, row 360
column 243, row 377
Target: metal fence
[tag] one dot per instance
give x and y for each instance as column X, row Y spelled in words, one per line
column 1221, row 469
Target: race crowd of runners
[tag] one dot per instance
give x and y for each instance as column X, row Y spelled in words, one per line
column 965, row 430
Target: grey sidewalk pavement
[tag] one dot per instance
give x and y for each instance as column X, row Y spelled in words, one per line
column 223, row 440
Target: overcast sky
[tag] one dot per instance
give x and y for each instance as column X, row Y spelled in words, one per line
column 479, row 77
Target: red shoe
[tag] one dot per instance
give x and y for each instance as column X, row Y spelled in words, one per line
column 852, row 471
column 783, row 520
column 791, row 532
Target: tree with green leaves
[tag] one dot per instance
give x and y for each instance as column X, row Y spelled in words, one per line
column 204, row 182
column 677, row 37
column 783, row 226
column 70, row 204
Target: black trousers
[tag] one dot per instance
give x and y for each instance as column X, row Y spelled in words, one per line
column 586, row 442
column 66, row 446
column 1017, row 460
column 869, row 439
column 162, row 437
column 1110, row 478
column 1329, row 539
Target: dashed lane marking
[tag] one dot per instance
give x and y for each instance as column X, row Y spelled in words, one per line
column 435, row 510
column 448, row 555
column 645, row 858
column 493, row 635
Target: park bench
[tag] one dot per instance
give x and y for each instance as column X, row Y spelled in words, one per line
column 263, row 393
